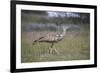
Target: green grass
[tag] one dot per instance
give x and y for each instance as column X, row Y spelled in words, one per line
column 75, row 46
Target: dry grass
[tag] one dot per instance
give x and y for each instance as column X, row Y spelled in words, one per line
column 75, row 46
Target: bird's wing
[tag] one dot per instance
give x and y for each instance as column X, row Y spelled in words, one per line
column 49, row 37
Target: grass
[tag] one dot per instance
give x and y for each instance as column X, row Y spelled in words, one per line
column 75, row 46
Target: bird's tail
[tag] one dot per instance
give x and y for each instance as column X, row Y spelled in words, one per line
column 35, row 41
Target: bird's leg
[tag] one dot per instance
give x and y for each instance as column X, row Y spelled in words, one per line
column 52, row 45
column 51, row 48
column 56, row 50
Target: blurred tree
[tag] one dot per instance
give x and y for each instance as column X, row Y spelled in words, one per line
column 34, row 12
column 85, row 17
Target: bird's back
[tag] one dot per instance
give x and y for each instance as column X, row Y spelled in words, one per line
column 52, row 36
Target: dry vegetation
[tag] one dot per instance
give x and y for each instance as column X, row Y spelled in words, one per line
column 75, row 46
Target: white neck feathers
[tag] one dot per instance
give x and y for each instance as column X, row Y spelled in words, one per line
column 64, row 30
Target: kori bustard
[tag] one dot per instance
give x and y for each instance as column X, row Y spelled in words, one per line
column 52, row 38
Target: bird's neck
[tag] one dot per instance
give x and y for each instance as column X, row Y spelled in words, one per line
column 64, row 32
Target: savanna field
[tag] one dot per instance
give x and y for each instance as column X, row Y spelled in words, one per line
column 74, row 46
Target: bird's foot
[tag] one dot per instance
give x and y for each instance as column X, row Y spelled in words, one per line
column 54, row 50
column 57, row 52
column 51, row 51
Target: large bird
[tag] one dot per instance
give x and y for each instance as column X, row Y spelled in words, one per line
column 52, row 38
